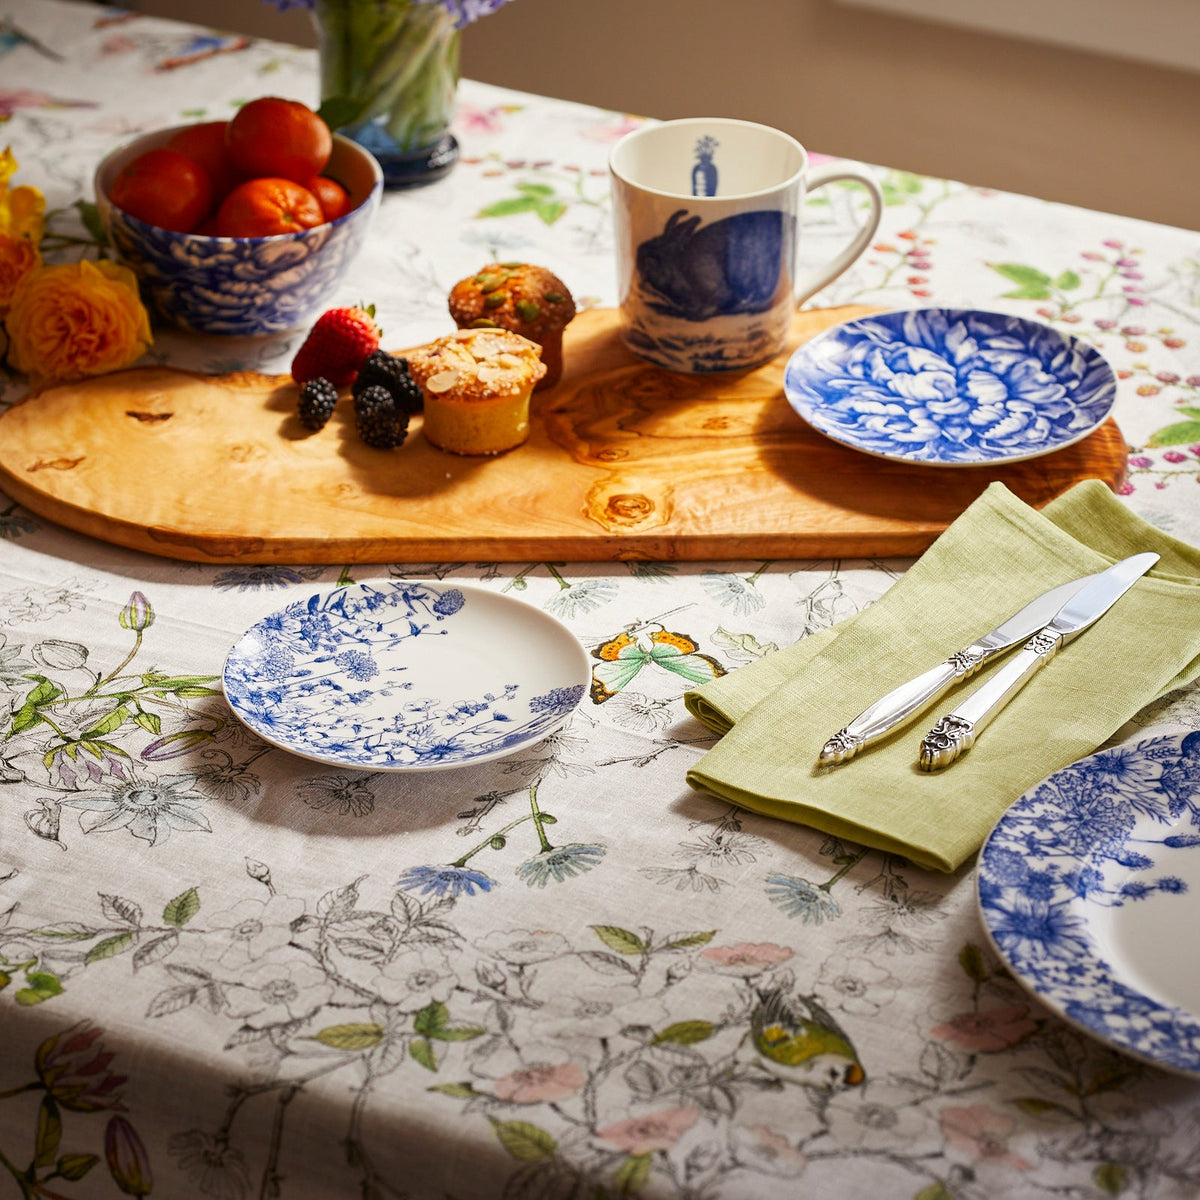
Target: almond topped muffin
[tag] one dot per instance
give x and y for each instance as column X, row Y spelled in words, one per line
column 519, row 297
column 477, row 385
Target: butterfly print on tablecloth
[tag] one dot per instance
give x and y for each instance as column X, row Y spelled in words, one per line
column 621, row 658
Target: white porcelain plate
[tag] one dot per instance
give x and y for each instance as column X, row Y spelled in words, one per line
column 400, row 676
column 950, row 387
column 1089, row 888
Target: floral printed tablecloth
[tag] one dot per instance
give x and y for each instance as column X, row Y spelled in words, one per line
column 229, row 972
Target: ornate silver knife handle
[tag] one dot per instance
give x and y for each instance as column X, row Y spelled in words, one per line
column 956, row 732
column 902, row 704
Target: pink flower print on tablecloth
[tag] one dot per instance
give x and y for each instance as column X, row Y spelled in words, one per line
column 12, row 100
column 765, row 1150
column 981, row 1133
column 612, row 131
column 744, row 959
column 543, row 1082
column 469, row 119
column 989, row 1030
column 655, row 1131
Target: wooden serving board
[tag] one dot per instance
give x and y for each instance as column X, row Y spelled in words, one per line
column 625, row 461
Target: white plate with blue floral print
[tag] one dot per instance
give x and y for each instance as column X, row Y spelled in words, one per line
column 402, row 676
column 1089, row 888
column 950, row 387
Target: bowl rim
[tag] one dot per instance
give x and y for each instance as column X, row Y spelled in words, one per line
column 151, row 140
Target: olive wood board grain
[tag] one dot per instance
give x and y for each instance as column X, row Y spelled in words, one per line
column 624, row 461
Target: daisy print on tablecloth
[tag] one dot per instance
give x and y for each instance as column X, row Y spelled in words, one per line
column 148, row 808
column 734, row 592
column 551, row 863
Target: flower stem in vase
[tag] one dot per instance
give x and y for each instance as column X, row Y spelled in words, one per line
column 425, row 106
column 389, row 75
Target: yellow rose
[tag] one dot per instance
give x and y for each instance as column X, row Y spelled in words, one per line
column 18, row 256
column 76, row 319
column 8, row 165
column 22, row 209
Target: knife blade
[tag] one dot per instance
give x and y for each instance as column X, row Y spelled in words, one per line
column 906, row 702
column 956, row 732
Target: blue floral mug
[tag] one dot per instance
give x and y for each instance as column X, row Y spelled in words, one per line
column 707, row 213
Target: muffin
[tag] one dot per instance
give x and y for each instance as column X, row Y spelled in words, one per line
column 477, row 384
column 522, row 298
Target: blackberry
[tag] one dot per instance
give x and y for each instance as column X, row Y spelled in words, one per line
column 318, row 399
column 382, row 370
column 379, row 423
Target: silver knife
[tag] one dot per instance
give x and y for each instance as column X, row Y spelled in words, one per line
column 956, row 732
column 904, row 703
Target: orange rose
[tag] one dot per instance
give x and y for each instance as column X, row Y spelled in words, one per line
column 76, row 319
column 18, row 256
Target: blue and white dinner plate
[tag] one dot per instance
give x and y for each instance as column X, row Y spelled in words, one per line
column 402, row 676
column 950, row 387
column 1089, row 888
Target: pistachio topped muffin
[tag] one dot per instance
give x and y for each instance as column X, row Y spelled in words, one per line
column 477, row 385
column 522, row 298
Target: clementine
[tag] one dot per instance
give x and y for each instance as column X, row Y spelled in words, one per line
column 266, row 207
column 280, row 138
column 165, row 188
column 205, row 143
column 335, row 201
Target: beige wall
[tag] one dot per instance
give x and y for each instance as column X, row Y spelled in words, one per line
column 1104, row 132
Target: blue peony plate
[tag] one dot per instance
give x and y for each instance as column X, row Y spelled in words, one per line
column 1089, row 888
column 400, row 676
column 950, row 387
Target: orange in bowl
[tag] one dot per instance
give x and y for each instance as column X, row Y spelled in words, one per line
column 332, row 196
column 266, row 207
column 271, row 136
column 166, row 188
column 205, row 143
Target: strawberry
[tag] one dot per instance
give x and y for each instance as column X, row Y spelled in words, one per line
column 337, row 345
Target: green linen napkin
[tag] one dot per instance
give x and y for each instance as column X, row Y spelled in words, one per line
column 999, row 554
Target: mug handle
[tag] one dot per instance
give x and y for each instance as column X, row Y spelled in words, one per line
column 818, row 277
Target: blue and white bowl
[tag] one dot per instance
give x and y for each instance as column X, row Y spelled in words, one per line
column 246, row 287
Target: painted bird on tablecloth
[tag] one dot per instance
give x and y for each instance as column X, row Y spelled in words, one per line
column 798, row 1032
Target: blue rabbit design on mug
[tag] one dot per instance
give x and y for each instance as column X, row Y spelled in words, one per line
column 693, row 272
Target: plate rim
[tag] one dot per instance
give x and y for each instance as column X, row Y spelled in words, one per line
column 569, row 638
column 940, row 464
column 1048, row 999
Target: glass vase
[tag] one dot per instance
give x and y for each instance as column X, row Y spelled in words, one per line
column 389, row 75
